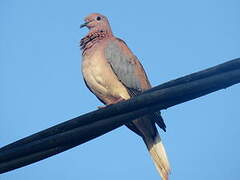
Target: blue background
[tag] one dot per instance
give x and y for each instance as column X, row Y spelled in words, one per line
column 41, row 85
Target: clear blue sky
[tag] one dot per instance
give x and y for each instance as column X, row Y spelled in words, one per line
column 41, row 85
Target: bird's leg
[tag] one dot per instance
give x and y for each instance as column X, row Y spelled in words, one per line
column 117, row 100
column 100, row 107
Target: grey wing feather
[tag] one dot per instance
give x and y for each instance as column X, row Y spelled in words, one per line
column 122, row 67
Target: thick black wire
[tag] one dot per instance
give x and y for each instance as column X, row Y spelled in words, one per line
column 83, row 128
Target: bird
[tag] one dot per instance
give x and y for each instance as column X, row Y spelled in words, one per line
column 113, row 73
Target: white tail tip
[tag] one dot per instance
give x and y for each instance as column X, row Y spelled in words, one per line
column 159, row 156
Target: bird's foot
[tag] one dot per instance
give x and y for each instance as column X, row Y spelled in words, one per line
column 117, row 101
column 111, row 103
column 100, row 107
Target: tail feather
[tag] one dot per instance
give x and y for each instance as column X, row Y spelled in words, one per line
column 159, row 156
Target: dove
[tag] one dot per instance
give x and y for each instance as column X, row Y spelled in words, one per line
column 113, row 73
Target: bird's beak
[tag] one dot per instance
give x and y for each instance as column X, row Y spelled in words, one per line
column 83, row 25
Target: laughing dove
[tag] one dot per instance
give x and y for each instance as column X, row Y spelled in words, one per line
column 113, row 73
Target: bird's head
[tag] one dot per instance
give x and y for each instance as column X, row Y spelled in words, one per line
column 96, row 22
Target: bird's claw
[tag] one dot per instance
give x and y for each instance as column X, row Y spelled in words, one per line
column 113, row 102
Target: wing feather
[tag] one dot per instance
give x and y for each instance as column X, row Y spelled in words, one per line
column 123, row 66
column 131, row 74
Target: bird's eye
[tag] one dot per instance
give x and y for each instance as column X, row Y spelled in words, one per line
column 98, row 18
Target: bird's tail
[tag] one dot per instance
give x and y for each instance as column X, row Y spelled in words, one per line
column 158, row 154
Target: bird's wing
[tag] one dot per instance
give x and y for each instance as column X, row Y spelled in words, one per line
column 126, row 67
column 130, row 72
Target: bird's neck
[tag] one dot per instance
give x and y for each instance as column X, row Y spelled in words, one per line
column 94, row 37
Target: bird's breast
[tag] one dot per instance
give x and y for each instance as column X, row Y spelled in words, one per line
column 100, row 78
column 94, row 71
